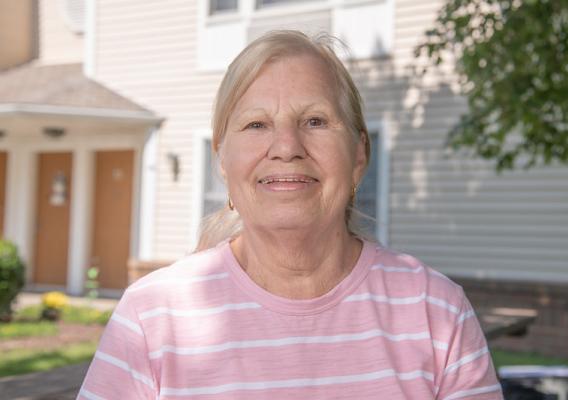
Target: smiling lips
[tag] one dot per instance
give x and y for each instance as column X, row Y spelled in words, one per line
column 286, row 182
column 288, row 178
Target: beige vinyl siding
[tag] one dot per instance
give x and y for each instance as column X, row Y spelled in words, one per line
column 453, row 212
column 58, row 44
column 147, row 52
column 16, row 28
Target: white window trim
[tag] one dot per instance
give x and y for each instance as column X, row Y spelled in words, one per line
column 383, row 185
column 247, row 12
column 198, row 159
column 247, row 9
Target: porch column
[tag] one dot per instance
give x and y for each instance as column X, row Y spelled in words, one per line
column 81, row 220
column 147, row 197
column 20, row 190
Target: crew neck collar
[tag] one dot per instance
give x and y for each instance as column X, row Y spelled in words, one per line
column 288, row 306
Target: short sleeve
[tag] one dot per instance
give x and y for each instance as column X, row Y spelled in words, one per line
column 121, row 367
column 468, row 372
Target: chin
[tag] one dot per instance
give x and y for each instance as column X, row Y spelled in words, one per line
column 285, row 220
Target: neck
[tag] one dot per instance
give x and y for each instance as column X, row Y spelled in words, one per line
column 297, row 265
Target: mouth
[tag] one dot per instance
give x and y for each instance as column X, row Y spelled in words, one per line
column 286, row 179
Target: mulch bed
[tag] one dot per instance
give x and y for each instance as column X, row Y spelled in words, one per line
column 68, row 334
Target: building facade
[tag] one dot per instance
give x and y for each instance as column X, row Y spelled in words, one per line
column 155, row 67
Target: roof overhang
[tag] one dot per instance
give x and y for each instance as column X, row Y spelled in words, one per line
column 144, row 117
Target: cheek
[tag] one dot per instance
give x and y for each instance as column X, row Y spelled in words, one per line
column 239, row 162
column 337, row 157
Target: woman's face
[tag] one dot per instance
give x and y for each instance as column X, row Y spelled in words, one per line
column 288, row 159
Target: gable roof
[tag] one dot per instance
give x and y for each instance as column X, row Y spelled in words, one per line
column 60, row 85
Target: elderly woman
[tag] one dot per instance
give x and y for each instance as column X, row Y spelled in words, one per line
column 287, row 300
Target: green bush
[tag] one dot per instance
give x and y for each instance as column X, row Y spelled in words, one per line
column 11, row 278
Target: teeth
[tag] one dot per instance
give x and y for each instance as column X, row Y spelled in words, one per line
column 272, row 180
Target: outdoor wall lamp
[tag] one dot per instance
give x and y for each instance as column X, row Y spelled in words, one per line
column 2, row 133
column 53, row 132
column 175, row 165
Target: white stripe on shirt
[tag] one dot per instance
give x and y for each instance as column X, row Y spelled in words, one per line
column 296, row 383
column 193, row 279
column 247, row 344
column 403, row 300
column 89, row 395
column 124, row 366
column 467, row 359
column 198, row 312
column 127, row 323
column 387, row 268
column 480, row 390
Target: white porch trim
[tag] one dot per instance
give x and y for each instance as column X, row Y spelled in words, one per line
column 81, row 112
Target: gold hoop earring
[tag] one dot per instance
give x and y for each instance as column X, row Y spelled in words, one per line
column 230, row 204
column 353, row 193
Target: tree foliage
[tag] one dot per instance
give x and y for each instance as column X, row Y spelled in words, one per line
column 512, row 63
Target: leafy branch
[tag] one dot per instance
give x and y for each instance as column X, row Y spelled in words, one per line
column 512, row 64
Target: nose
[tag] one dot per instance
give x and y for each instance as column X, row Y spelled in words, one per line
column 287, row 143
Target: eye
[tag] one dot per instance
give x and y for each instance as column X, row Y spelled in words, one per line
column 255, row 125
column 315, row 122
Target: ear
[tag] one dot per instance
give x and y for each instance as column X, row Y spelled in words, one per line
column 360, row 158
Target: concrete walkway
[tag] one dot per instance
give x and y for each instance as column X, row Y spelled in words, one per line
column 58, row 384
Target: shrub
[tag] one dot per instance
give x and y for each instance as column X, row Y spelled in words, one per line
column 11, row 278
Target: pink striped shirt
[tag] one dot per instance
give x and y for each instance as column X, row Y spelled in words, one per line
column 202, row 329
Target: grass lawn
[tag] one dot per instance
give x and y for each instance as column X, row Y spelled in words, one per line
column 23, row 361
column 501, row 358
column 22, row 328
column 27, row 324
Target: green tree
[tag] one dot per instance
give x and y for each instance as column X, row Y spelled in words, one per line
column 511, row 58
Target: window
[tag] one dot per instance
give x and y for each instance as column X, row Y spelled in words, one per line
column 366, row 200
column 74, row 14
column 264, row 3
column 214, row 191
column 221, row 6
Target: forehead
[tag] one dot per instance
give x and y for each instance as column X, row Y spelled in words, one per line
column 301, row 78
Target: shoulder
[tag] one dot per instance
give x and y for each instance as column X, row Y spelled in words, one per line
column 192, row 270
column 404, row 275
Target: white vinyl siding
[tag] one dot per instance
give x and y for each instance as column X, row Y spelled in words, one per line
column 59, row 42
column 147, row 52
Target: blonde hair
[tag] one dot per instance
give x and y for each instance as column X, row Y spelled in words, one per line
column 241, row 74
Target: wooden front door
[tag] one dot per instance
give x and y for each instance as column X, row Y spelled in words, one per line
column 3, row 158
column 53, row 217
column 111, row 222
